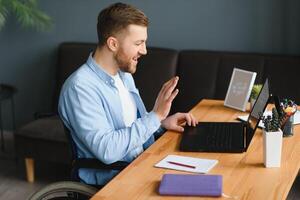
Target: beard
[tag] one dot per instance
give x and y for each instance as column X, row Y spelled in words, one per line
column 125, row 63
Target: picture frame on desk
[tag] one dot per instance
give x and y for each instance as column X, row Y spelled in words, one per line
column 239, row 89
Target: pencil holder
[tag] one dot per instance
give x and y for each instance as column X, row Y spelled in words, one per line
column 272, row 145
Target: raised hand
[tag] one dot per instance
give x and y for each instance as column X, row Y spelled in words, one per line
column 165, row 98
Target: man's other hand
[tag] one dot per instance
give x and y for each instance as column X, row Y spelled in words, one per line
column 165, row 98
column 177, row 121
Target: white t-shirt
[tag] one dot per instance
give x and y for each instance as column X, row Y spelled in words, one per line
column 128, row 104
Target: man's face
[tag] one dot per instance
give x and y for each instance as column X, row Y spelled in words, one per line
column 132, row 45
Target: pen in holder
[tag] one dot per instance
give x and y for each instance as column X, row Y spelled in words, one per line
column 288, row 128
column 287, row 108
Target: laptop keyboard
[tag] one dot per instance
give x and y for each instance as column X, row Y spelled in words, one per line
column 222, row 135
column 219, row 135
column 214, row 137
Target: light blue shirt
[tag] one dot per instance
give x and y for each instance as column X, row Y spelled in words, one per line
column 90, row 107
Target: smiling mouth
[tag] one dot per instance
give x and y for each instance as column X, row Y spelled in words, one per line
column 135, row 59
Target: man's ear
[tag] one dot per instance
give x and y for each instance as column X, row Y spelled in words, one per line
column 112, row 43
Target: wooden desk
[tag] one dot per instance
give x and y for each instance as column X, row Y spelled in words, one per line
column 244, row 174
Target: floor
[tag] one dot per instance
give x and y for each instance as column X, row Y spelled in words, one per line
column 13, row 185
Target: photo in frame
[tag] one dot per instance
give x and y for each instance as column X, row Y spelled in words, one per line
column 239, row 89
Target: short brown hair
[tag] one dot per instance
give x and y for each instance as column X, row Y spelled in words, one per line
column 117, row 17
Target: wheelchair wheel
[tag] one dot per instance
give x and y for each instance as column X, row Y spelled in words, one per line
column 65, row 190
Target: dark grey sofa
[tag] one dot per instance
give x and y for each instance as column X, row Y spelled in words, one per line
column 203, row 74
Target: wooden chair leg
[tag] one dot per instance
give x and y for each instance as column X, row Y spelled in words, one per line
column 29, row 162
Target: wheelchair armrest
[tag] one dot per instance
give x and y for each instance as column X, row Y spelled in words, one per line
column 97, row 164
column 39, row 115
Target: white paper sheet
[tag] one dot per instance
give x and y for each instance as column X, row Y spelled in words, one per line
column 268, row 112
column 201, row 165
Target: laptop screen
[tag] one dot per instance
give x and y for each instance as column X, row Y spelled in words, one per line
column 258, row 108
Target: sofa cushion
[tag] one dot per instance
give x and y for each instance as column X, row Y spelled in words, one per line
column 49, row 128
column 249, row 62
column 43, row 150
column 283, row 74
column 43, row 139
column 197, row 78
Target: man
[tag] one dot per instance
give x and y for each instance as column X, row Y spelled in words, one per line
column 100, row 104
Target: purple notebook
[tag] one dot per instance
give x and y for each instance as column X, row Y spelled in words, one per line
column 191, row 185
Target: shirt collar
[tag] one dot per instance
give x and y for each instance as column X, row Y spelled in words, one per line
column 99, row 70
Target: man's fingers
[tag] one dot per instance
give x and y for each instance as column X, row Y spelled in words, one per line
column 194, row 120
column 165, row 86
column 169, row 87
column 165, row 97
column 169, row 82
column 182, row 119
column 188, row 119
column 173, row 95
column 178, row 128
column 185, row 117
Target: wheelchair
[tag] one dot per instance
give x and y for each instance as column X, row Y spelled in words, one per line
column 75, row 190
column 65, row 190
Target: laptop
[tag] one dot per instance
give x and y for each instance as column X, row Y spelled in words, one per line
column 232, row 137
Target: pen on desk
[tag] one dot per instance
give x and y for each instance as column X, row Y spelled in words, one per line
column 181, row 164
